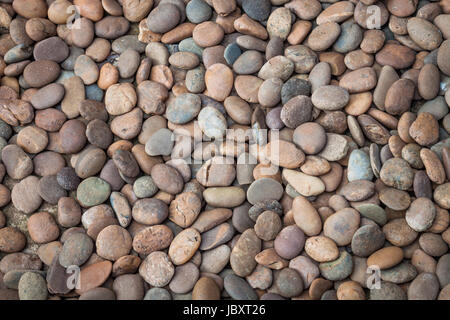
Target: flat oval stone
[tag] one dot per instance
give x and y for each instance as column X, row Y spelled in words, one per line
column 186, row 107
column 25, row 195
column 388, row 291
column 47, row 70
column 385, row 258
column 330, row 98
column 358, row 190
column 401, row 273
column 341, row 226
column 394, row 199
column 399, row 233
column 184, row 278
column 154, row 238
column 373, row 212
column 53, row 48
column 238, row 288
column 184, row 246
column 321, row 249
column 76, row 250
column 338, row 269
column 304, row 184
column 424, row 33
column 242, row 256
column 306, row 216
column 264, row 189
column 225, row 197
column 212, row 122
column 219, row 81
column 420, row 214
column 93, row 191
column 48, row 96
column 367, row 240
column 397, row 173
column 216, row 236
column 289, row 242
column 424, row 287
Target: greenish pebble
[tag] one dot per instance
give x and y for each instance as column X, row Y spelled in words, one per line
column 238, row 288
column 231, row 53
column 195, row 80
column 212, row 122
column 128, row 42
column 437, row 107
column 189, row 45
column 93, row 191
column 93, row 92
column 144, row 187
column 11, row 278
column 32, row 286
column 373, row 212
column 198, row 11
column 290, row 190
column 387, row 291
column 359, row 167
column 411, row 153
column 350, row 37
column 157, row 294
column 294, row 87
column 401, row 273
column 5, row 130
column 185, row 108
column 338, row 269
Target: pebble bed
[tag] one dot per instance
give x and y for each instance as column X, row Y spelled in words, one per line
column 224, row 149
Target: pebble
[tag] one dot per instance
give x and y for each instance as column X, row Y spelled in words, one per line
column 338, row 269
column 113, row 242
column 184, row 278
column 25, row 195
column 154, row 238
column 341, row 226
column 385, row 258
column 32, row 286
column 336, row 147
column 424, row 287
column 359, row 167
column 242, row 255
column 366, row 240
column 397, row 173
column 42, row 227
column 421, row 214
column 198, row 11
column 76, row 250
column 157, row 270
column 11, row 240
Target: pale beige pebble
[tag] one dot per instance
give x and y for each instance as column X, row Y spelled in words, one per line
column 304, row 184
column 306, row 216
column 321, row 249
